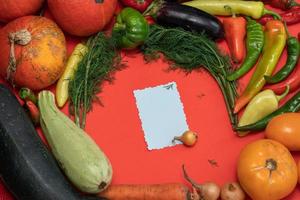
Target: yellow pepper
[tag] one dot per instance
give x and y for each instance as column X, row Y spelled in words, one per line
column 260, row 106
column 254, row 9
column 62, row 87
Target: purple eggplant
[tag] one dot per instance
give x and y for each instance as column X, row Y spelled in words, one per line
column 173, row 14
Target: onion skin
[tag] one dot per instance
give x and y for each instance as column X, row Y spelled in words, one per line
column 209, row 191
column 206, row 191
column 188, row 138
column 232, row 191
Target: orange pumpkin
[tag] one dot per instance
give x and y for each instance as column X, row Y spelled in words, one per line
column 285, row 128
column 32, row 53
column 12, row 9
column 82, row 17
column 266, row 170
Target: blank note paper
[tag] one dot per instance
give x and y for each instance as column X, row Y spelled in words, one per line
column 161, row 114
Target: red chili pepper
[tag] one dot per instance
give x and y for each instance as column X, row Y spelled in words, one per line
column 32, row 111
column 293, row 81
column 140, row 5
column 235, row 32
column 282, row 4
column 290, row 17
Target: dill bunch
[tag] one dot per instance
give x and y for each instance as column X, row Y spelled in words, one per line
column 96, row 66
column 189, row 51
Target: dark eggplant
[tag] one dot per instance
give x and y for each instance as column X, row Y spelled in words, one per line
column 173, row 14
column 27, row 167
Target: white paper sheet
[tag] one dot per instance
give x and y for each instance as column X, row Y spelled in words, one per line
column 162, row 115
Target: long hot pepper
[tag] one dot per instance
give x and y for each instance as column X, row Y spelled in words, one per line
column 254, row 46
column 275, row 39
column 254, row 9
column 293, row 80
column 281, row 4
column 292, row 58
column 290, row 17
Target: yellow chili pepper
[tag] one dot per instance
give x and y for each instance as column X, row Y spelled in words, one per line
column 260, row 106
column 62, row 86
column 254, row 9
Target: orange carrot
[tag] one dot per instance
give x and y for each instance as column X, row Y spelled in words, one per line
column 169, row 191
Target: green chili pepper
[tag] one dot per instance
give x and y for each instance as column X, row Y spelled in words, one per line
column 275, row 39
column 260, row 106
column 293, row 55
column 132, row 28
column 292, row 105
column 255, row 43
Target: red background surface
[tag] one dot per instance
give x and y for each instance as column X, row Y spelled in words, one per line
column 116, row 127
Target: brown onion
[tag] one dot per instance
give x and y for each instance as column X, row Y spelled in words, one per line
column 207, row 190
column 188, row 138
column 232, row 191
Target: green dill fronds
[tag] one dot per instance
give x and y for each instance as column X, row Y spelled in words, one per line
column 96, row 66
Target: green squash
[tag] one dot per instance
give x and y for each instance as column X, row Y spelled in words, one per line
column 83, row 162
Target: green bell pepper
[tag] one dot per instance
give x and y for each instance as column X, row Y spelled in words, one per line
column 132, row 28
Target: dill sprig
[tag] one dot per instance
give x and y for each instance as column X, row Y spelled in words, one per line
column 189, row 51
column 96, row 66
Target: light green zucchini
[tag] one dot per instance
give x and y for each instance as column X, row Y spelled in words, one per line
column 78, row 155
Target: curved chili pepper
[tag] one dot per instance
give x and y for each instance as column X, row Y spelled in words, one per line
column 275, row 39
column 235, row 31
column 32, row 111
column 255, row 43
column 289, row 17
column 282, row 4
column 254, row 9
column 293, row 55
column 292, row 105
column 293, row 81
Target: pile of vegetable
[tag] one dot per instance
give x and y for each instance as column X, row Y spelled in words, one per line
column 186, row 33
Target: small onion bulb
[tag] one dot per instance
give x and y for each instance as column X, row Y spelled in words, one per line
column 188, row 138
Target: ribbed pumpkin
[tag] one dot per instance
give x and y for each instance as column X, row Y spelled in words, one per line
column 12, row 9
column 82, row 17
column 32, row 53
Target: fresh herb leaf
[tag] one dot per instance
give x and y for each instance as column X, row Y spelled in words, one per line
column 190, row 51
column 96, row 66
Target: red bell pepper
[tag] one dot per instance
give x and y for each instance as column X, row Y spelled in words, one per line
column 235, row 32
column 282, row 4
column 290, row 17
column 139, row 5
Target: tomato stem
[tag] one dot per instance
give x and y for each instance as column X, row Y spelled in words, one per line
column 271, row 164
